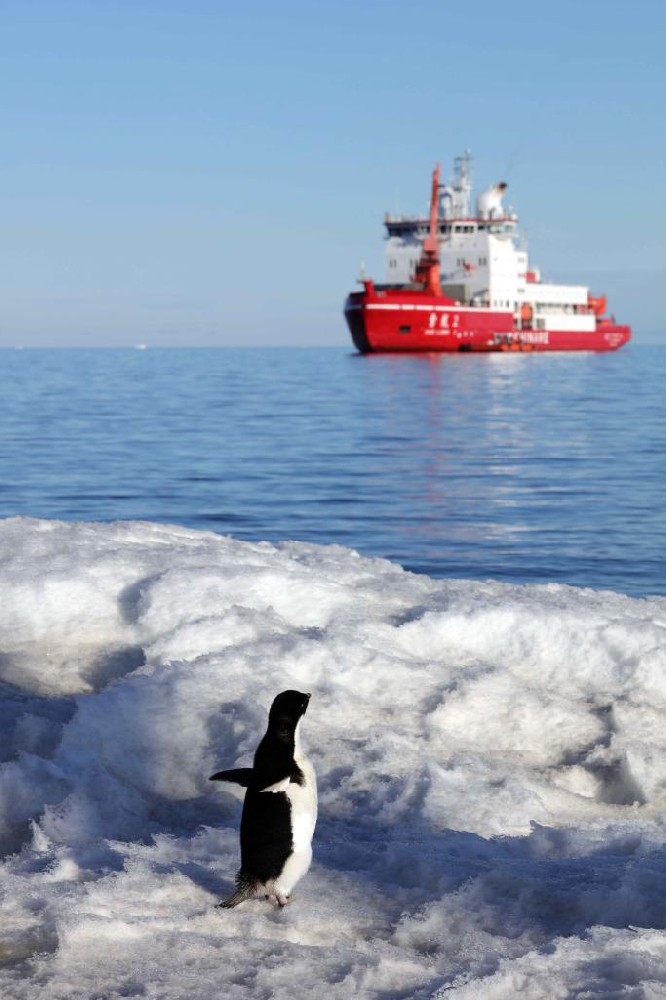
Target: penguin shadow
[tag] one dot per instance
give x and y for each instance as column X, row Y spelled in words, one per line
column 202, row 876
column 220, row 886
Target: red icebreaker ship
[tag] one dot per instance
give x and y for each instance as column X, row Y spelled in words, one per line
column 462, row 282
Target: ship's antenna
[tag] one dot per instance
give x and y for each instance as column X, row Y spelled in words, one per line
column 515, row 153
column 462, row 166
column 462, row 184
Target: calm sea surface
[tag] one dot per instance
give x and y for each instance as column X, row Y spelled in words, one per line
column 527, row 468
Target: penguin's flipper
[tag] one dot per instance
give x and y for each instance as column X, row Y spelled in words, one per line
column 278, row 786
column 241, row 776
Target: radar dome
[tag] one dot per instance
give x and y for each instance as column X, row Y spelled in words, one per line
column 489, row 202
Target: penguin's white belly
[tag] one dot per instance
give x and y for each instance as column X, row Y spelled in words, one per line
column 303, row 800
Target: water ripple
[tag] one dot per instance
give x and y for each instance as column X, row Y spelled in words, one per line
column 525, row 468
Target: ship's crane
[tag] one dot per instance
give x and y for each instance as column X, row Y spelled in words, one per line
column 427, row 270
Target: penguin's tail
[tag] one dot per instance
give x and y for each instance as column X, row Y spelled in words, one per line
column 246, row 889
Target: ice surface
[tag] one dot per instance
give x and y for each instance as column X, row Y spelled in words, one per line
column 491, row 763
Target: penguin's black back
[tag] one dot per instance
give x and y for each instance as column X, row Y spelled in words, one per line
column 265, row 834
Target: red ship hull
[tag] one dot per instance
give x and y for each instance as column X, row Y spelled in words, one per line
column 406, row 321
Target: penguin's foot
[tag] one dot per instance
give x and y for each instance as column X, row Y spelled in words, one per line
column 277, row 898
column 228, row 904
column 246, row 890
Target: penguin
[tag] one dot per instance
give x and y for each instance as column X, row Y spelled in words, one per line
column 280, row 807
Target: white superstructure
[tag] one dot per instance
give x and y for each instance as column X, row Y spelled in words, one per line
column 484, row 258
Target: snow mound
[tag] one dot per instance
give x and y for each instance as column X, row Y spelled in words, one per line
column 491, row 763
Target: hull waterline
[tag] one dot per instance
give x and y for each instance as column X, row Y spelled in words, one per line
column 398, row 325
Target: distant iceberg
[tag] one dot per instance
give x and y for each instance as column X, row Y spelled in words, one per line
column 491, row 762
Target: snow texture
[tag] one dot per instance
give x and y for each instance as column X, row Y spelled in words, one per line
column 491, row 763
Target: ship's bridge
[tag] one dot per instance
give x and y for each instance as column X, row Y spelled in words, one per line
column 483, row 259
column 406, row 226
column 473, row 251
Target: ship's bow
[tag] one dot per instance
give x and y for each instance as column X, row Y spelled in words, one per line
column 356, row 321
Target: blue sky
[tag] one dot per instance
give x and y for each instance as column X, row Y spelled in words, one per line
column 213, row 173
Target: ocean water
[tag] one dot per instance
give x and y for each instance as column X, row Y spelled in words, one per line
column 523, row 468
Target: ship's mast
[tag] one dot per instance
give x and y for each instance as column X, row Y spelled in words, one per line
column 427, row 269
column 462, row 184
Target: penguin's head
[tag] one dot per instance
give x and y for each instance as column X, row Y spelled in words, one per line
column 287, row 709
